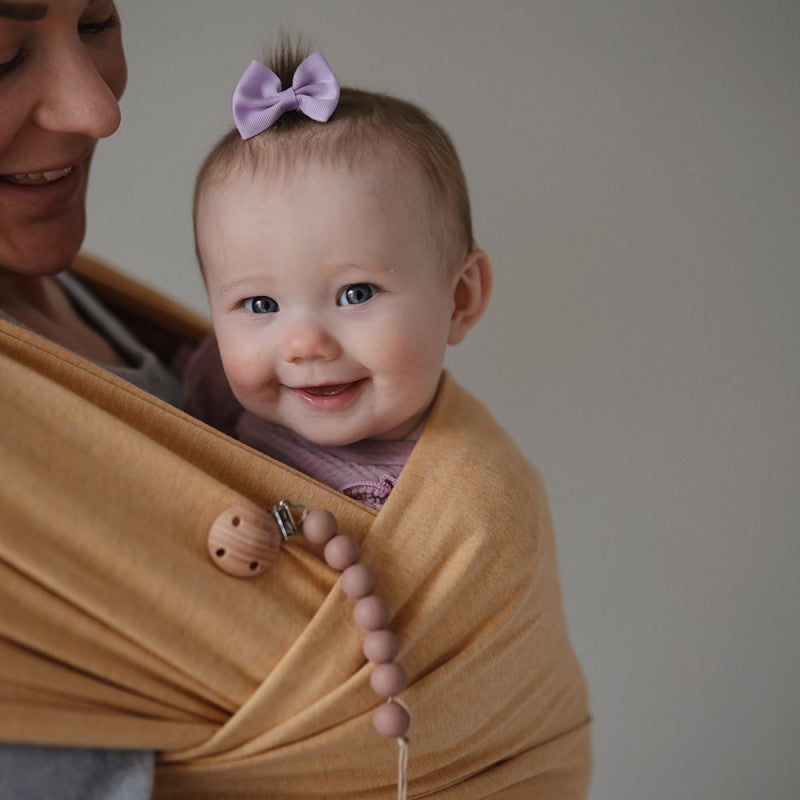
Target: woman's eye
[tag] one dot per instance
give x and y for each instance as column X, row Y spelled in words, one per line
column 7, row 67
column 94, row 28
column 355, row 294
column 260, row 305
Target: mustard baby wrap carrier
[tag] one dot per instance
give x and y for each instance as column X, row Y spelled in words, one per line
column 117, row 631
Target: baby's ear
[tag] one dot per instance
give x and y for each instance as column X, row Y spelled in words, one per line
column 470, row 294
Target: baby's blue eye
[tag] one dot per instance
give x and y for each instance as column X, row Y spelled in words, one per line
column 260, row 305
column 355, row 294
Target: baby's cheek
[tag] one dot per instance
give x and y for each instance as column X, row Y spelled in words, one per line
column 244, row 370
column 414, row 351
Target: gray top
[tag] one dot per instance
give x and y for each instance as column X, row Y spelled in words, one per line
column 143, row 367
column 72, row 773
column 29, row 772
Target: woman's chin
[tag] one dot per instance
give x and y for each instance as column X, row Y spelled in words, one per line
column 46, row 249
column 42, row 226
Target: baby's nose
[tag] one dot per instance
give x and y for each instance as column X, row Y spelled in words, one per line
column 308, row 340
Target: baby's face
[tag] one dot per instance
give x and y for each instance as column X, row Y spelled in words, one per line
column 330, row 305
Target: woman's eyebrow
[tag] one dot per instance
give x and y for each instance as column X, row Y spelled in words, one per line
column 26, row 12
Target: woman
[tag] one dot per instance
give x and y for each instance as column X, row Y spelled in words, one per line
column 65, row 98
column 117, row 632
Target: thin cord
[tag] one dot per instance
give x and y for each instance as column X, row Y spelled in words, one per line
column 402, row 769
column 402, row 756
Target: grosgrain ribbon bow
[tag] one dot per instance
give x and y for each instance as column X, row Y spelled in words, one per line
column 258, row 100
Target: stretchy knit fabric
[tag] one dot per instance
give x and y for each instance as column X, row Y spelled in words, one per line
column 34, row 772
column 116, row 630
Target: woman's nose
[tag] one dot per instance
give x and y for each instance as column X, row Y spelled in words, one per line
column 77, row 98
column 308, row 340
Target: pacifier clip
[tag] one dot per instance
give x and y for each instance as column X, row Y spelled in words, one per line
column 244, row 542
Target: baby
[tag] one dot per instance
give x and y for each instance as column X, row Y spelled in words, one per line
column 334, row 235
column 333, row 230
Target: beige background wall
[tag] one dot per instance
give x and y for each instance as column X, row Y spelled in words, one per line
column 635, row 170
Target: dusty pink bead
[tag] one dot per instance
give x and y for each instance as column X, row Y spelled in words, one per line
column 388, row 679
column 358, row 580
column 319, row 526
column 391, row 719
column 381, row 645
column 341, row 552
column 371, row 613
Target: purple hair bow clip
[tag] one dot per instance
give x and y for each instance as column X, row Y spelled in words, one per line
column 258, row 100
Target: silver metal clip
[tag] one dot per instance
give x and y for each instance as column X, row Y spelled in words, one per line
column 288, row 517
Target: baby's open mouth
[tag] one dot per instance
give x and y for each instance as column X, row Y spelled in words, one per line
column 326, row 391
column 37, row 178
column 330, row 396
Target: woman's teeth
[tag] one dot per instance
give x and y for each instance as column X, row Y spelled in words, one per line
column 37, row 178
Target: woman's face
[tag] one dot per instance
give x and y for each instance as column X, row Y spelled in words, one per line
column 62, row 72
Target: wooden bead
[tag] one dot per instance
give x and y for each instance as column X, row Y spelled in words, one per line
column 319, row 526
column 391, row 719
column 243, row 542
column 381, row 645
column 371, row 613
column 341, row 552
column 388, row 679
column 358, row 580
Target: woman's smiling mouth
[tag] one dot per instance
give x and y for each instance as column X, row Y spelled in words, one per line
column 37, row 178
column 43, row 191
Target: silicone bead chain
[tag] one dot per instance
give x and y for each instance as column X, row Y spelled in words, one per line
column 244, row 542
column 381, row 645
